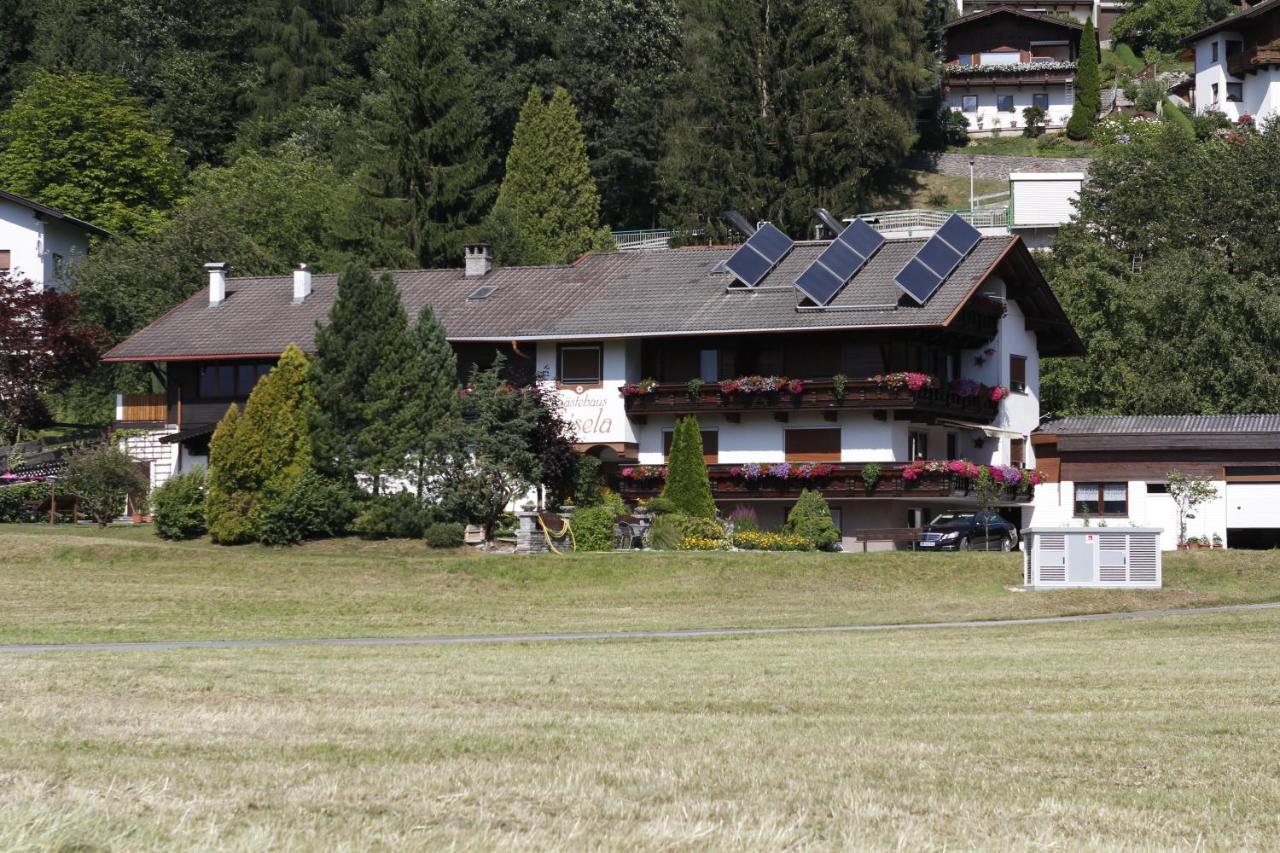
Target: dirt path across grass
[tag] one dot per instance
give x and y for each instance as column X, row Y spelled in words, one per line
column 597, row 636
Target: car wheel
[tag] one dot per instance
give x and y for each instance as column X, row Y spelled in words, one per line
column 963, row 544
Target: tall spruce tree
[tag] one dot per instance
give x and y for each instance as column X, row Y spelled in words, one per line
column 357, row 352
column 293, row 46
column 688, row 487
column 1088, row 95
column 784, row 104
column 426, row 152
column 548, row 199
column 430, row 413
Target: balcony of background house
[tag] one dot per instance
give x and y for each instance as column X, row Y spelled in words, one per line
column 914, row 395
column 839, row 480
column 1242, row 61
column 141, row 409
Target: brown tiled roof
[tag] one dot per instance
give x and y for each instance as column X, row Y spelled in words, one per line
column 608, row 295
column 1011, row 10
column 1163, row 424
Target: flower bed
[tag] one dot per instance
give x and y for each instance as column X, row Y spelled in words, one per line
column 639, row 389
column 641, row 473
column 755, row 540
column 783, row 471
column 755, row 384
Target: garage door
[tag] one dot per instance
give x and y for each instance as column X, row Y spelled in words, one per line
column 1253, row 505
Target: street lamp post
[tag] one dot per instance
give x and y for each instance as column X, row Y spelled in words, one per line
column 972, row 160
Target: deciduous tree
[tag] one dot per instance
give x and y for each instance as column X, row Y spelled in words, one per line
column 79, row 142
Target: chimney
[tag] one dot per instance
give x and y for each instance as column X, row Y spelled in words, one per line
column 217, row 283
column 479, row 258
column 301, row 283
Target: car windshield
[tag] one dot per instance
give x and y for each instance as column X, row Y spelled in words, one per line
column 952, row 519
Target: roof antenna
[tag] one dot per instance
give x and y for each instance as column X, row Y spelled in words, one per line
column 739, row 222
column 835, row 226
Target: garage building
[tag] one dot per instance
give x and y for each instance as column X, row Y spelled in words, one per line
column 1113, row 471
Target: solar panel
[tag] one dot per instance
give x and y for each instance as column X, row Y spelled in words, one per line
column 839, row 262
column 938, row 258
column 761, row 253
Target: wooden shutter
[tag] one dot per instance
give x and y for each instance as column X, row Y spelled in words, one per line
column 4, row 259
column 1018, row 452
column 812, row 445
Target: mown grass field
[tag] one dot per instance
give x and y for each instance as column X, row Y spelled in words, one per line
column 66, row 584
column 1140, row 735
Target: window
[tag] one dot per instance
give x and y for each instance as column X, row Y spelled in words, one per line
column 812, row 445
column 709, row 365
column 1157, row 488
column 1213, row 51
column 1234, row 47
column 1214, row 89
column 59, row 266
column 710, row 445
column 1041, row 100
column 1018, row 452
column 1235, row 92
column 917, row 445
column 969, row 104
column 953, row 450
column 580, row 364
column 4, row 260
column 1103, row 499
column 228, row 381
column 1004, row 103
column 1018, row 374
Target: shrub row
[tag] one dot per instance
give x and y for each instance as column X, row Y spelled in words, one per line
column 754, row 540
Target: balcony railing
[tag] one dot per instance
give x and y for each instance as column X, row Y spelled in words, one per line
column 817, row 396
column 142, row 408
column 843, row 481
column 1256, row 57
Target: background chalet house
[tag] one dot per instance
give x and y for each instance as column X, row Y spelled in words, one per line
column 1001, row 60
column 1113, row 470
column 1103, row 13
column 598, row 329
column 37, row 241
column 1238, row 63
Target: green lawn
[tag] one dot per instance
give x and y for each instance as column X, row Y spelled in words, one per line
column 1011, row 143
column 932, row 191
column 1140, row 735
column 66, row 584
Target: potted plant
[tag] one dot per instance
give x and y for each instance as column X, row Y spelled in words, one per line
column 695, row 387
column 871, row 476
column 839, row 383
column 1217, row 542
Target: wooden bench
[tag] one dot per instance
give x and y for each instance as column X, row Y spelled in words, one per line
column 896, row 535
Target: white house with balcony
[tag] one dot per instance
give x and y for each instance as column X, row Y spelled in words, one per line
column 1238, row 63
column 38, row 242
column 917, row 366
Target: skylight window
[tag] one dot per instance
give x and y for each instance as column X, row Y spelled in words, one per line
column 482, row 292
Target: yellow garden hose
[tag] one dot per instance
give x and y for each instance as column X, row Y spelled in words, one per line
column 551, row 537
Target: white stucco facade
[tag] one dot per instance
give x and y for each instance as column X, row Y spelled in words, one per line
column 1255, row 94
column 1148, row 505
column 983, row 107
column 39, row 247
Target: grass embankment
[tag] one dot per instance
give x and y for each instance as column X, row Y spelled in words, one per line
column 1147, row 735
column 1011, row 143
column 932, row 191
column 67, row 584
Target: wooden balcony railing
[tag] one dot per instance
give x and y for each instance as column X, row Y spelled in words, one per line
column 843, row 482
column 819, row 396
column 143, row 408
column 1254, row 59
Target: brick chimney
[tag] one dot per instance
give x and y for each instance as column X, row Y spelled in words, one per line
column 479, row 259
column 217, row 283
column 301, row 283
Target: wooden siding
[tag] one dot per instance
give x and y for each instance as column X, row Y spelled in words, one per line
column 144, row 408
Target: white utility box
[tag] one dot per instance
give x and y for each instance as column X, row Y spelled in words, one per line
column 1060, row 557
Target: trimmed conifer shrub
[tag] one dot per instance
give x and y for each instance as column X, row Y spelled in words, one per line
column 178, row 506
column 230, row 485
column 811, row 519
column 314, row 508
column 1088, row 98
column 688, row 488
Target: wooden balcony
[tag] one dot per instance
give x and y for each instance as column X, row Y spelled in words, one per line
column 142, row 409
column 860, row 395
column 844, row 482
column 1254, row 59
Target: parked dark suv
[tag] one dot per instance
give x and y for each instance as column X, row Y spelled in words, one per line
column 969, row 531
